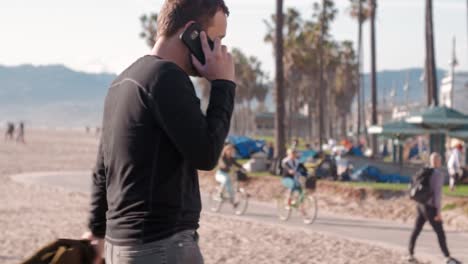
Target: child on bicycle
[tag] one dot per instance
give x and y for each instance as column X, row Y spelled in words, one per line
column 223, row 174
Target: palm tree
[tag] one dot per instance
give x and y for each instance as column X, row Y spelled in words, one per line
column 279, row 118
column 348, row 86
column 326, row 16
column 302, row 68
column 360, row 11
column 149, row 28
column 250, row 86
column 373, row 6
column 293, row 73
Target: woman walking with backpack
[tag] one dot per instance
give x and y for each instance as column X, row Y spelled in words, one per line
column 431, row 211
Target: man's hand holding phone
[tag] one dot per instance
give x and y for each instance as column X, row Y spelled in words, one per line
column 219, row 64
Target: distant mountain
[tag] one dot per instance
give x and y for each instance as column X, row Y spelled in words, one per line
column 396, row 79
column 57, row 96
column 386, row 82
column 52, row 95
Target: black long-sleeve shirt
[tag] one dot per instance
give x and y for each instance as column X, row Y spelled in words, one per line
column 154, row 139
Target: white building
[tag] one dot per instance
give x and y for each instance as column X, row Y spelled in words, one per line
column 454, row 92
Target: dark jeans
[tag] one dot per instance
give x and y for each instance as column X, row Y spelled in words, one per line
column 181, row 248
column 428, row 213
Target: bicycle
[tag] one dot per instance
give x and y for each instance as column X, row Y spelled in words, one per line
column 302, row 200
column 219, row 195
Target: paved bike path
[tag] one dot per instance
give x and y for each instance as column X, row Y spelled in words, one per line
column 384, row 233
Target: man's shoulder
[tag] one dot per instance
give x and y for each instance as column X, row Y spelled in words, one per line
column 148, row 70
column 161, row 71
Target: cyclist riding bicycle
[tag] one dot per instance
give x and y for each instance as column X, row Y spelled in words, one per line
column 223, row 174
column 292, row 171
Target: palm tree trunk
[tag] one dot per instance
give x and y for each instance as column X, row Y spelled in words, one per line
column 321, row 80
column 310, row 118
column 344, row 125
column 279, row 118
column 436, row 141
column 373, row 75
column 290, row 97
column 359, row 89
column 431, row 77
column 330, row 106
column 310, row 111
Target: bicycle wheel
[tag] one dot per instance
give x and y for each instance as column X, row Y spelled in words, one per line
column 282, row 205
column 309, row 209
column 243, row 202
column 216, row 199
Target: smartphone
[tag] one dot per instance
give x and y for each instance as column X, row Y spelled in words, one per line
column 191, row 38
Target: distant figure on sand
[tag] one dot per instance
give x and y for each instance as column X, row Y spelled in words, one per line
column 431, row 211
column 20, row 135
column 10, row 131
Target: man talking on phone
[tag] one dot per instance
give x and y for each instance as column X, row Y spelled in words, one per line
column 145, row 200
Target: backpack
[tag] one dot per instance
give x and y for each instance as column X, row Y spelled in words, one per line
column 311, row 183
column 241, row 176
column 420, row 189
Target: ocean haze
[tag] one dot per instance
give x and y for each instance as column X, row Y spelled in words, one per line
column 52, row 95
column 55, row 95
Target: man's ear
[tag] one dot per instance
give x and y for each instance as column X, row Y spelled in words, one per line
column 188, row 24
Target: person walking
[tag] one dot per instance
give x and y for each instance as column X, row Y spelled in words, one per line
column 146, row 200
column 431, row 211
column 20, row 135
column 10, row 131
column 454, row 165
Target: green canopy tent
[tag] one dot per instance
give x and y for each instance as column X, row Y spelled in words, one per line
column 460, row 132
column 442, row 118
column 400, row 129
column 397, row 131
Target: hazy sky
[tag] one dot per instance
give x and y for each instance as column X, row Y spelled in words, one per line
column 96, row 35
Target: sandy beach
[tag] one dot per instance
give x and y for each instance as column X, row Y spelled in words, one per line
column 31, row 216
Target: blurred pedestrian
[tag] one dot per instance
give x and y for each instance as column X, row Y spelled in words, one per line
column 295, row 143
column 454, row 165
column 270, row 151
column 431, row 210
column 20, row 135
column 10, row 131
